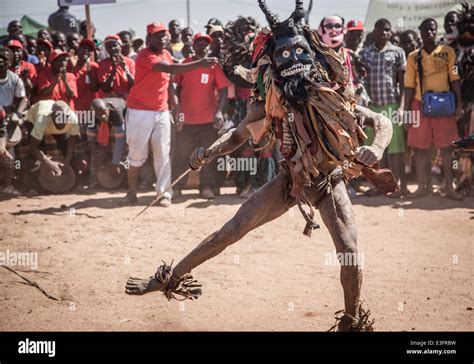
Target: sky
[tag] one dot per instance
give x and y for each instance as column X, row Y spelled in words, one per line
column 135, row 14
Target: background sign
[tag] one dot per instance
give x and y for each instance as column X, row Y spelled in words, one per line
column 84, row 2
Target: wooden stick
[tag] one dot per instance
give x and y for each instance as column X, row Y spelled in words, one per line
column 88, row 22
column 31, row 283
column 167, row 189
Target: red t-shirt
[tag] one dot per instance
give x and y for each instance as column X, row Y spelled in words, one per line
column 120, row 88
column 32, row 74
column 243, row 93
column 39, row 68
column 150, row 90
column 83, row 80
column 198, row 101
column 46, row 78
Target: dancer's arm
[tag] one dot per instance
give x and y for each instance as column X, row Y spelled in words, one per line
column 369, row 155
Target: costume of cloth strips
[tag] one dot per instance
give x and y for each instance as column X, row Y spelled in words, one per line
column 309, row 102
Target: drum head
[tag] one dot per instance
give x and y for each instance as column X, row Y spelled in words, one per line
column 110, row 177
column 56, row 184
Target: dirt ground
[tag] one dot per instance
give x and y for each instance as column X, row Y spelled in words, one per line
column 418, row 266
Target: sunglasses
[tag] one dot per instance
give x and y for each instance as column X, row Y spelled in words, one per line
column 330, row 26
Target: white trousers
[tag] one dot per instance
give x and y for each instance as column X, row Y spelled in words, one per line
column 150, row 129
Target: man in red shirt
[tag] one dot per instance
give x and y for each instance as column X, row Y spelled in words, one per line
column 85, row 72
column 200, row 115
column 148, row 121
column 116, row 73
column 24, row 69
column 55, row 83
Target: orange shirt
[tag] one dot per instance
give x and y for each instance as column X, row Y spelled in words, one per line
column 83, row 80
column 120, row 87
column 46, row 78
column 24, row 65
column 439, row 69
column 198, row 102
column 150, row 90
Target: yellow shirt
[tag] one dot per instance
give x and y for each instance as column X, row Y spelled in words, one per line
column 439, row 69
column 40, row 115
column 177, row 48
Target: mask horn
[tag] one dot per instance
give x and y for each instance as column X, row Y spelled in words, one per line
column 299, row 5
column 299, row 13
column 271, row 17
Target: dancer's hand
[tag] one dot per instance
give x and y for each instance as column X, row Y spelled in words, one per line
column 198, row 158
column 218, row 120
column 369, row 155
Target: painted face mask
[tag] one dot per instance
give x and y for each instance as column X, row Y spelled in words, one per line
column 292, row 57
column 332, row 31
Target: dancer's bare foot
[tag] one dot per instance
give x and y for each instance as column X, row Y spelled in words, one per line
column 140, row 286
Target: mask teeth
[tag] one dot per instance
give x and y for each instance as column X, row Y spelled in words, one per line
column 295, row 69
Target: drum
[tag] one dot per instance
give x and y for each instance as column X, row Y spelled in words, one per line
column 56, row 184
column 110, row 176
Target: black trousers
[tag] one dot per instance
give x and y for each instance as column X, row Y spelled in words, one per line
column 187, row 140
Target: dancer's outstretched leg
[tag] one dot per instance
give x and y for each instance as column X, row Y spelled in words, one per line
column 263, row 206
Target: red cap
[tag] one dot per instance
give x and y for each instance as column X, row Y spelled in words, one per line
column 156, row 27
column 112, row 38
column 88, row 42
column 45, row 42
column 202, row 35
column 15, row 43
column 55, row 54
column 355, row 25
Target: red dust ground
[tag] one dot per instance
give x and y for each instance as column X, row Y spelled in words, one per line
column 418, row 266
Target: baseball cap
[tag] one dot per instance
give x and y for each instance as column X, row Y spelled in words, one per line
column 216, row 28
column 156, row 27
column 202, row 35
column 112, row 38
column 15, row 43
column 55, row 54
column 47, row 43
column 355, row 25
